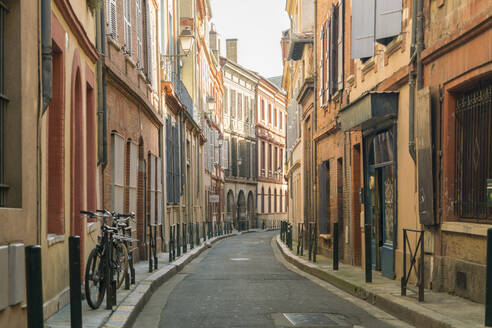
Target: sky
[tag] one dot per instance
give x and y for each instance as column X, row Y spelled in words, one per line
column 258, row 26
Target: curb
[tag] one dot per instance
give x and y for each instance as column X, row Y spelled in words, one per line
column 125, row 314
column 396, row 306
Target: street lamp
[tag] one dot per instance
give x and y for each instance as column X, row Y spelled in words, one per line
column 186, row 40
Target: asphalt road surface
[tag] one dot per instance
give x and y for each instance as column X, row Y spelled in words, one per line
column 242, row 281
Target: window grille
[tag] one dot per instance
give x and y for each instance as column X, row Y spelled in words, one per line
column 3, row 106
column 473, row 152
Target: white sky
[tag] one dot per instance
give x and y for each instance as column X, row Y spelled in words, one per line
column 258, row 26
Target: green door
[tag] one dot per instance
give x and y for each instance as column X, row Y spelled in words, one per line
column 387, row 250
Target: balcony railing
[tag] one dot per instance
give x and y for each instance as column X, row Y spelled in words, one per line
column 182, row 92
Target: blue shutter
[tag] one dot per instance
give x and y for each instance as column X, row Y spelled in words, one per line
column 176, row 180
column 182, row 143
column 388, row 18
column 363, row 16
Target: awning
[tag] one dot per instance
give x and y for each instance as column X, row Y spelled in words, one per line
column 369, row 110
column 297, row 45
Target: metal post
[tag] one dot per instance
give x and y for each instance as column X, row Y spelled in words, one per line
column 310, row 245
column 335, row 246
column 151, row 265
column 110, row 281
column 488, row 281
column 34, row 287
column 178, row 240
column 404, row 276
column 367, row 235
column 75, row 282
column 421, row 268
column 315, row 241
column 156, row 262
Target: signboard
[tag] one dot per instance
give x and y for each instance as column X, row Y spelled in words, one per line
column 489, row 192
column 213, row 198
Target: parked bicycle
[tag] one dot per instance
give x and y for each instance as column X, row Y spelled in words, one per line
column 108, row 258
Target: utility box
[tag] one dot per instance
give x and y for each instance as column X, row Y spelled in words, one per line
column 17, row 273
column 4, row 273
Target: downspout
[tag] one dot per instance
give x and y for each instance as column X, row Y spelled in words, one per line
column 315, row 115
column 45, row 88
column 411, row 82
column 102, row 127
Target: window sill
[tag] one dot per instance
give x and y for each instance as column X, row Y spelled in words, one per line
column 54, row 239
column 475, row 229
column 114, row 43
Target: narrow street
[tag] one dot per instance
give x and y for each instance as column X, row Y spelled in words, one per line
column 242, row 282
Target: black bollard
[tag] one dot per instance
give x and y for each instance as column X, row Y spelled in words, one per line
column 75, row 282
column 34, row 287
column 367, row 236
column 488, row 281
column 335, row 246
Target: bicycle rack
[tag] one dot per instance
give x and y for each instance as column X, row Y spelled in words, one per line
column 413, row 259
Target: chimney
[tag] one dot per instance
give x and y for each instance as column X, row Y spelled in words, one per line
column 214, row 42
column 231, row 50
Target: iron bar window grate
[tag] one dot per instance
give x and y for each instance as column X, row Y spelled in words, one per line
column 473, row 152
column 3, row 105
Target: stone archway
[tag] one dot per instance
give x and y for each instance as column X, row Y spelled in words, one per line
column 251, row 210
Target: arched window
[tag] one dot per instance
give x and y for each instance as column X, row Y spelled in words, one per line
column 269, row 200
column 275, row 200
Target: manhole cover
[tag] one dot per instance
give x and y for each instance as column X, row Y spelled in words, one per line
column 240, row 259
column 316, row 320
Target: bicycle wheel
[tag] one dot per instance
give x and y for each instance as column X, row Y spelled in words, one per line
column 95, row 286
column 120, row 262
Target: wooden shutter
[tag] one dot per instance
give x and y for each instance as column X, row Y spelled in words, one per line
column 182, row 141
column 148, row 42
column 139, row 33
column 340, row 18
column 112, row 28
column 333, row 50
column 363, row 13
column 323, row 198
column 128, row 25
column 176, row 174
column 117, row 172
column 326, row 58
column 322, row 65
column 225, row 154
column 151, row 186
column 169, row 162
column 159, row 198
column 388, row 18
column 132, row 187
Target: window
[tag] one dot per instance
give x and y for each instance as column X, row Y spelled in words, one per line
column 239, row 106
column 233, row 103
column 132, row 151
column 128, row 26
column 269, row 114
column 173, row 179
column 281, row 161
column 281, row 116
column 226, row 101
column 263, row 110
column 151, row 183
column 56, row 154
column 275, row 200
column 112, row 28
column 473, row 152
column 269, row 200
column 262, row 160
column 324, row 197
column 117, row 172
column 269, row 160
column 275, row 161
column 262, row 200
column 281, row 209
column 275, row 118
column 139, row 34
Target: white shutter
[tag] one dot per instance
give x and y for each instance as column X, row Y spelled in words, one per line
column 363, row 17
column 340, row 43
column 128, row 26
column 216, row 148
column 388, row 18
column 132, row 188
column 159, row 191
column 225, row 154
column 117, row 172
column 139, row 34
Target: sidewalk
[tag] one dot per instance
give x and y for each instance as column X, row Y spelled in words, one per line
column 130, row 302
column 438, row 310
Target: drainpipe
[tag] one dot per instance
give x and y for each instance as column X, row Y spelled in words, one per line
column 46, row 53
column 411, row 82
column 315, row 114
column 102, row 127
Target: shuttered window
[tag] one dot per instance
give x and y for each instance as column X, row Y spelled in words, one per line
column 324, row 197
column 117, row 172
column 326, row 58
column 225, row 155
column 112, row 27
column 158, row 191
column 132, row 182
column 152, row 188
column 388, row 19
column 128, row 25
column 333, row 85
column 226, row 101
column 172, row 162
column 233, row 103
column 363, row 25
column 239, row 106
column 322, row 64
column 138, row 10
column 340, row 20
column 234, row 156
column 176, row 167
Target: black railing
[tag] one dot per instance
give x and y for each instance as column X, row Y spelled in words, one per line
column 300, row 239
column 413, row 259
column 182, row 92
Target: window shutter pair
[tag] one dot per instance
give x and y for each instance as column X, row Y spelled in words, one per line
column 225, row 154
column 176, row 174
column 373, row 20
column 112, row 28
column 322, row 65
column 117, row 172
column 159, row 198
column 149, row 67
column 128, row 25
column 169, row 161
column 234, row 156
